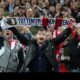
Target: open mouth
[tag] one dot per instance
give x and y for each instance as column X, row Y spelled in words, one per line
column 7, row 33
column 41, row 38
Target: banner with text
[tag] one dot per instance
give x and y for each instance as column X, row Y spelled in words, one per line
column 38, row 21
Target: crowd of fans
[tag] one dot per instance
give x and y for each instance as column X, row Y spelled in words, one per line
column 39, row 9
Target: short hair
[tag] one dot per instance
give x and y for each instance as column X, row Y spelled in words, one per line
column 41, row 29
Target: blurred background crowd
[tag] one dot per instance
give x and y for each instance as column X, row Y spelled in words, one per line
column 42, row 8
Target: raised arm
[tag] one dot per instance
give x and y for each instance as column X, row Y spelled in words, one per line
column 62, row 37
column 20, row 36
column 65, row 34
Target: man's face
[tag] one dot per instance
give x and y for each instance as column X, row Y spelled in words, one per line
column 29, row 13
column 64, row 13
column 58, row 6
column 41, row 37
column 21, row 12
column 47, row 2
column 8, row 34
column 52, row 10
column 17, row 2
column 16, row 10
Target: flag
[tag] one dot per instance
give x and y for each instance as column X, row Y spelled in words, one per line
column 58, row 22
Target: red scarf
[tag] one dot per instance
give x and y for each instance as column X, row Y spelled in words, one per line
column 11, row 42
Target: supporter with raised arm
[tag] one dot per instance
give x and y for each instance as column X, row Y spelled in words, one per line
column 40, row 57
column 11, row 52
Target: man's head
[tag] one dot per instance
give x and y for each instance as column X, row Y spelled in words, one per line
column 65, row 12
column 58, row 6
column 33, row 2
column 8, row 34
column 16, row 11
column 52, row 10
column 21, row 11
column 41, row 36
column 47, row 2
column 29, row 13
column 17, row 2
column 4, row 5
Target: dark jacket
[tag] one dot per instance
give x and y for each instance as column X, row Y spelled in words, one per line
column 50, row 49
column 74, row 51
